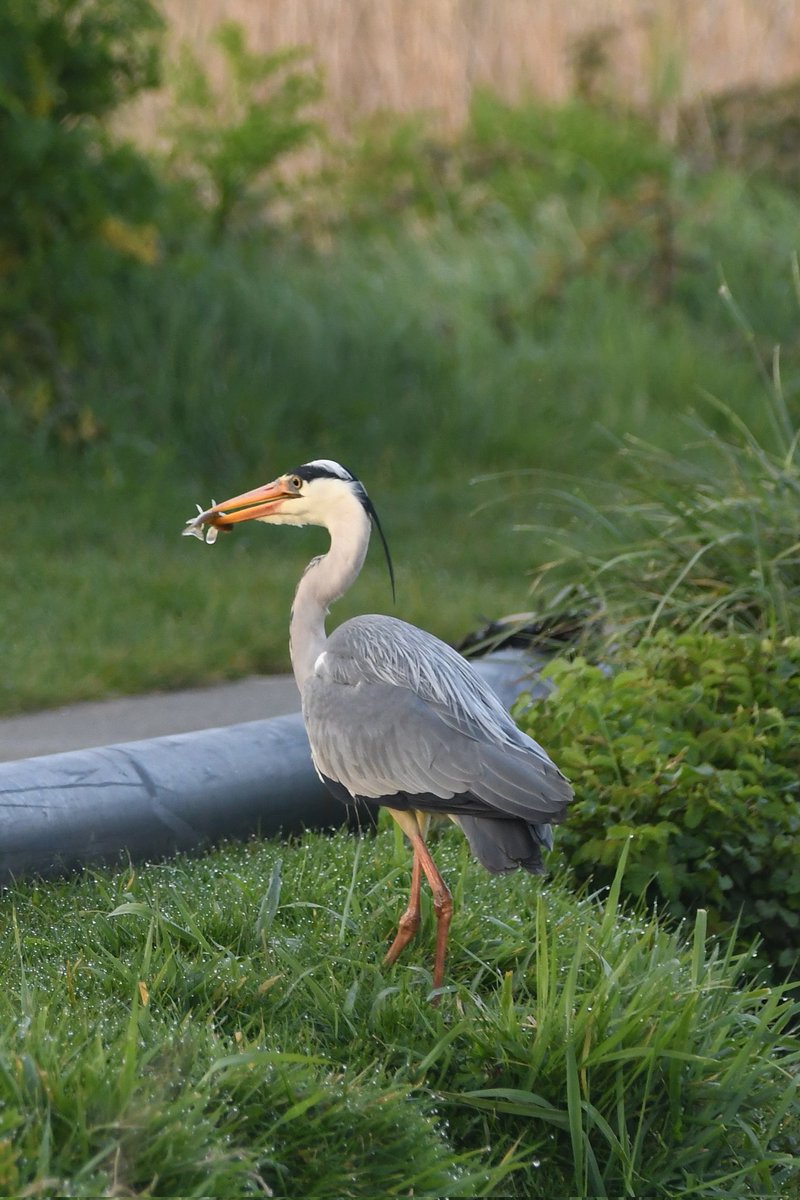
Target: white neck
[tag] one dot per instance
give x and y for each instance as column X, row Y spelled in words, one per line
column 324, row 581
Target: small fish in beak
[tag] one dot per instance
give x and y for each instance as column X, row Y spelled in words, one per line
column 206, row 525
column 259, row 504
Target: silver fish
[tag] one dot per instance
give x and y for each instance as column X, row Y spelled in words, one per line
column 198, row 527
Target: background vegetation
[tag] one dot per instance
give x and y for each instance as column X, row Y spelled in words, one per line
column 550, row 337
column 689, row 748
column 429, row 310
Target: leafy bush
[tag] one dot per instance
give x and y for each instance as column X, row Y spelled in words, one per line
column 62, row 66
column 568, row 149
column 688, row 748
column 72, row 201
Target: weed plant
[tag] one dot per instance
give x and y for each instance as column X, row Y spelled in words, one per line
column 707, row 537
column 225, row 1025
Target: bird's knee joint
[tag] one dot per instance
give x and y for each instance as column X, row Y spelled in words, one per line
column 409, row 922
column 443, row 905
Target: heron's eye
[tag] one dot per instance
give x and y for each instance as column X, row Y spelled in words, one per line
column 296, row 482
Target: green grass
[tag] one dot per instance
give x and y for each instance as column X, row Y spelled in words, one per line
column 417, row 353
column 704, row 537
column 224, row 1025
column 102, row 595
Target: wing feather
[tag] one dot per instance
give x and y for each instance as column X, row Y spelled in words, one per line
column 391, row 710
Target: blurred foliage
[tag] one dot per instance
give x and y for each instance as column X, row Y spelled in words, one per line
column 685, row 747
column 590, row 58
column 598, row 186
column 554, row 206
column 62, row 59
column 754, row 129
column 73, row 203
column 506, row 162
column 227, row 138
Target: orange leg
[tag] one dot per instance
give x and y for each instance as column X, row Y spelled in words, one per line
column 442, row 907
column 409, row 922
column 442, row 900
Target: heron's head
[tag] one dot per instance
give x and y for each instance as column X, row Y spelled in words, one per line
column 321, row 492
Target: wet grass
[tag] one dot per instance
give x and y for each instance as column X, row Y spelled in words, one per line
column 225, row 1026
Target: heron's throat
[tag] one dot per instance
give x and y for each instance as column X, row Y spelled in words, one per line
column 325, row 579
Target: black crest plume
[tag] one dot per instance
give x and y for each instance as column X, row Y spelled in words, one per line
column 373, row 516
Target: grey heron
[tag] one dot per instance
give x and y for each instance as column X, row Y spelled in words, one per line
column 395, row 716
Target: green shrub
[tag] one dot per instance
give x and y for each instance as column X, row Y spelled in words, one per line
column 530, row 151
column 73, row 203
column 62, row 67
column 508, row 162
column 688, row 747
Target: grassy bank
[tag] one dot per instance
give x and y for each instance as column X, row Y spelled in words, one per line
column 228, row 1027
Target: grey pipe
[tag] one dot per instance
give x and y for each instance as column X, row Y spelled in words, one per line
column 152, row 798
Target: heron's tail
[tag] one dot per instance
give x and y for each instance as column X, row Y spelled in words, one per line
column 504, row 845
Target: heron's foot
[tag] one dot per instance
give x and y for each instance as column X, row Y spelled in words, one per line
column 407, row 927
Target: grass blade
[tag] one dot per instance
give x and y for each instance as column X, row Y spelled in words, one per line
column 269, row 905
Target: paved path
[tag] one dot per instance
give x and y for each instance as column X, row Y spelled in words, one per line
column 102, row 723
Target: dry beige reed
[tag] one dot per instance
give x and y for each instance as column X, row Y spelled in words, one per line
column 429, row 55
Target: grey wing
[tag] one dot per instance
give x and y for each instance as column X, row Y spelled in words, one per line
column 397, row 716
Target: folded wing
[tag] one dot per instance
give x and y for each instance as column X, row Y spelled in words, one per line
column 397, row 717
